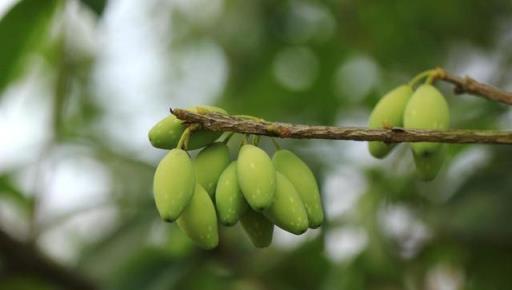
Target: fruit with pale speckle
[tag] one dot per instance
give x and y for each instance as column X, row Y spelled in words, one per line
column 229, row 201
column 256, row 177
column 199, row 220
column 209, row 164
column 173, row 184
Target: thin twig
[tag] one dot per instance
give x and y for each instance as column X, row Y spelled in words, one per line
column 228, row 123
column 471, row 86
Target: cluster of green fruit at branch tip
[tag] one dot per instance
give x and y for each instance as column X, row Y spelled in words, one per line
column 255, row 189
column 423, row 107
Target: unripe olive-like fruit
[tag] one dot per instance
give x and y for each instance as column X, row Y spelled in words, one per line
column 299, row 174
column 199, row 220
column 209, row 164
column 173, row 184
column 256, row 177
column 428, row 166
column 167, row 132
column 259, row 229
column 388, row 113
column 229, row 201
column 426, row 109
column 287, row 211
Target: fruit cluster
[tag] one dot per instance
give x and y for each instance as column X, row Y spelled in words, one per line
column 423, row 108
column 259, row 191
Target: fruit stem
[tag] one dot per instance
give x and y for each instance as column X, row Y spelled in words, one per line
column 183, row 142
column 256, row 140
column 228, row 137
column 276, row 144
column 418, row 77
column 436, row 73
column 245, row 140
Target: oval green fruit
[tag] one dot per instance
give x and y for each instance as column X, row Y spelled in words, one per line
column 256, row 177
column 167, row 132
column 229, row 201
column 388, row 113
column 427, row 109
column 199, row 220
column 258, row 228
column 209, row 164
column 428, row 166
column 173, row 184
column 287, row 211
column 299, row 174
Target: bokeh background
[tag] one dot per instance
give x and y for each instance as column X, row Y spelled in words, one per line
column 81, row 83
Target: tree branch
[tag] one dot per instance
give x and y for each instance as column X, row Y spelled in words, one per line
column 23, row 258
column 228, row 123
column 471, row 86
column 223, row 122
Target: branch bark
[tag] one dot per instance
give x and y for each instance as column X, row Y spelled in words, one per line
column 471, row 86
column 228, row 123
column 223, row 122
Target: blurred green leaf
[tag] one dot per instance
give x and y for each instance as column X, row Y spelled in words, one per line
column 11, row 191
column 22, row 30
column 98, row 6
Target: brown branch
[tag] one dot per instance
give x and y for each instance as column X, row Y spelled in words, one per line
column 223, row 122
column 23, row 258
column 228, row 123
column 471, row 86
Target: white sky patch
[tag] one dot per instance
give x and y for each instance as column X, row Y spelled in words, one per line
column 401, row 224
column 462, row 166
column 286, row 240
column 444, row 277
column 65, row 241
column 73, row 181
column 139, row 76
column 342, row 244
column 24, row 119
column 80, row 30
column 356, row 77
column 5, row 5
column 342, row 189
column 465, row 59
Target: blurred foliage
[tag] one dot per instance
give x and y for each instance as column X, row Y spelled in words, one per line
column 300, row 61
column 23, row 30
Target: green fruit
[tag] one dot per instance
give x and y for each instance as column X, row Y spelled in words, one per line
column 428, row 166
column 167, row 132
column 256, row 177
column 299, row 174
column 388, row 114
column 427, row 109
column 173, row 184
column 229, row 201
column 287, row 211
column 209, row 164
column 258, row 228
column 199, row 220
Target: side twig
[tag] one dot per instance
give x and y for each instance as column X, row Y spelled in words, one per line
column 471, row 86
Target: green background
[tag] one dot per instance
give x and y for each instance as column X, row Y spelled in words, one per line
column 81, row 83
